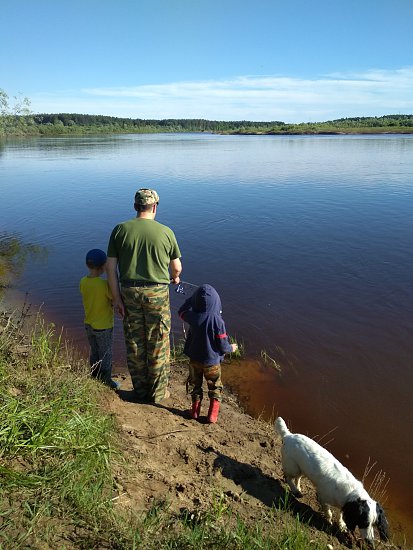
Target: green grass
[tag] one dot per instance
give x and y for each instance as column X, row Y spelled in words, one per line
column 56, row 445
column 219, row 528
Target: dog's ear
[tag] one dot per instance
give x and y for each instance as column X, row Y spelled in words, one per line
column 356, row 513
column 350, row 514
column 382, row 523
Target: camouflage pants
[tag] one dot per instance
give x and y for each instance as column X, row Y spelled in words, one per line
column 146, row 325
column 212, row 374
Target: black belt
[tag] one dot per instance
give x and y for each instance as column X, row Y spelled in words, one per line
column 138, row 282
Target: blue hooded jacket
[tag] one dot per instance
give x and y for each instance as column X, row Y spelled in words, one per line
column 207, row 340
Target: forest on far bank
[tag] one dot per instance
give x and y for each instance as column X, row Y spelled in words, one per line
column 72, row 123
column 17, row 119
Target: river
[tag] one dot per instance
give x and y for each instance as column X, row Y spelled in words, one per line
column 308, row 240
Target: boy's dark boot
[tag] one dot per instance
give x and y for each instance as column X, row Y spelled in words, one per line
column 195, row 409
column 213, row 411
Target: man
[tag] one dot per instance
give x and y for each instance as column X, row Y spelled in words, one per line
column 147, row 256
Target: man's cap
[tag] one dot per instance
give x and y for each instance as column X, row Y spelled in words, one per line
column 146, row 197
column 96, row 257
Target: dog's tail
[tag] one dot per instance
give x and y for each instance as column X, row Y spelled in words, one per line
column 281, row 427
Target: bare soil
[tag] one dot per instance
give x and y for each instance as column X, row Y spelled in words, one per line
column 191, row 464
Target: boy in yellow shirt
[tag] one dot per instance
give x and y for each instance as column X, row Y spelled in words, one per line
column 97, row 303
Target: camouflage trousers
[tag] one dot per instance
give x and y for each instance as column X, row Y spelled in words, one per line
column 212, row 374
column 146, row 325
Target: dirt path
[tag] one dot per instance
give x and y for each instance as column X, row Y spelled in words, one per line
column 193, row 464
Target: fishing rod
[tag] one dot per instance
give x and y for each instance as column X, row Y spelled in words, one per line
column 181, row 290
column 180, row 287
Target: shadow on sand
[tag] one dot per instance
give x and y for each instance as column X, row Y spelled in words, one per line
column 271, row 492
column 129, row 396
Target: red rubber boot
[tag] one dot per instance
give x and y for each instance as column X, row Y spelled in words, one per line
column 213, row 411
column 195, row 409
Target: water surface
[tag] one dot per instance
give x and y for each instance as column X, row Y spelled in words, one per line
column 307, row 239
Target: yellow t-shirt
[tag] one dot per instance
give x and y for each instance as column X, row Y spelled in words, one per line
column 97, row 302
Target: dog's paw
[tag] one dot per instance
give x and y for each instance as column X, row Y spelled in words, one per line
column 342, row 526
column 345, row 538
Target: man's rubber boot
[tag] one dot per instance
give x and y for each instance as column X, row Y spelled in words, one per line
column 213, row 411
column 195, row 409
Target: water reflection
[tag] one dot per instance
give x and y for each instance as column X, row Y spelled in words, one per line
column 14, row 253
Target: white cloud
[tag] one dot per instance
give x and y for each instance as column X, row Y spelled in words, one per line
column 372, row 93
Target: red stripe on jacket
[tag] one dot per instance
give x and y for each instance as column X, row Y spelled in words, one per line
column 222, row 335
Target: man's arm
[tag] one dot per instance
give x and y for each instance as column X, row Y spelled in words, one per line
column 175, row 268
column 113, row 282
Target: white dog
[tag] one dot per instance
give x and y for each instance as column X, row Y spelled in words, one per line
column 335, row 485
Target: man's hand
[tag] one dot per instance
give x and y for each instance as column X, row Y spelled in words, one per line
column 234, row 347
column 119, row 308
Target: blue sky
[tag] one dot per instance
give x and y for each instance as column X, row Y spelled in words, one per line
column 289, row 60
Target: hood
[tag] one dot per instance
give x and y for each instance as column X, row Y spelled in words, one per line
column 206, row 300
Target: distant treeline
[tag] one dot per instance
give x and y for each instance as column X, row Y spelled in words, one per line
column 387, row 123
column 67, row 123
column 168, row 125
column 71, row 123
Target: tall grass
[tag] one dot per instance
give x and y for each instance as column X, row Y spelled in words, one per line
column 56, row 445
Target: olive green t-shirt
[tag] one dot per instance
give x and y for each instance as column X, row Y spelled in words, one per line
column 144, row 248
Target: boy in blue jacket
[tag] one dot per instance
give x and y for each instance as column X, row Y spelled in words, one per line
column 206, row 345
